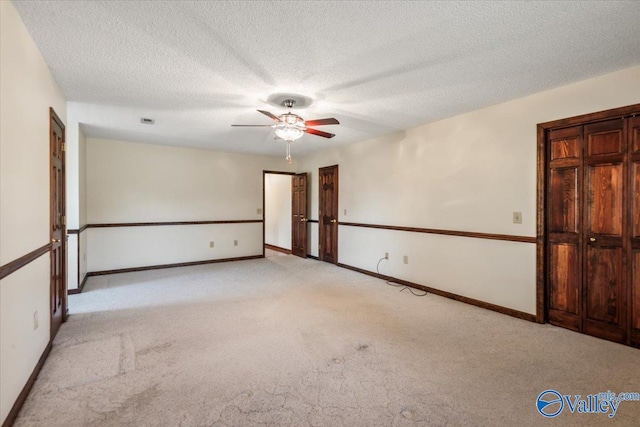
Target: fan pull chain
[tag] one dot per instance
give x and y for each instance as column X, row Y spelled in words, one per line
column 289, row 159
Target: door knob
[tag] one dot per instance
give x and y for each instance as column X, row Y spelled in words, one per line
column 333, row 221
column 303, row 219
column 55, row 240
column 592, row 239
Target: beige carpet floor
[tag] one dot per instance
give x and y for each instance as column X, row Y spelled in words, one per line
column 284, row 341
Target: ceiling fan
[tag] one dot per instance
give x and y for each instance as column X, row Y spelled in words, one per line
column 290, row 126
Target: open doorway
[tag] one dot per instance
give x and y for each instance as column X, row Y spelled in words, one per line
column 285, row 213
column 277, row 213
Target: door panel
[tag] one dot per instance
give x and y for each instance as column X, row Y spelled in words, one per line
column 564, row 280
column 58, row 288
column 328, row 215
column 636, row 290
column 564, row 197
column 564, row 286
column 608, row 142
column 635, row 212
column 635, row 299
column 299, row 215
column 605, row 138
column 605, row 201
column 563, row 148
column 605, row 309
column 604, row 284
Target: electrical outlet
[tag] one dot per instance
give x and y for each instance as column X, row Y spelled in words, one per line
column 35, row 320
column 258, row 211
column 517, row 217
column 386, row 255
column 405, row 259
column 212, row 244
column 235, row 243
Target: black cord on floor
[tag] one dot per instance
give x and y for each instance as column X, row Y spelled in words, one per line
column 397, row 285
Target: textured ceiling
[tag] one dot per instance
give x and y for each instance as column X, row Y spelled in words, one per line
column 378, row 67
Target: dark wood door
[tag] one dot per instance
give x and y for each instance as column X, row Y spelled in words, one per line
column 634, row 220
column 565, row 240
column 328, row 215
column 58, row 291
column 605, row 283
column 593, row 229
column 299, row 215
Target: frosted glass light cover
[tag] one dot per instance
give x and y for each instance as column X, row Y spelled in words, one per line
column 288, row 132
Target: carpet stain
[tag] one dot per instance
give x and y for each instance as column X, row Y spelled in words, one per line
column 245, row 394
column 143, row 398
column 407, row 413
column 154, row 349
column 362, row 347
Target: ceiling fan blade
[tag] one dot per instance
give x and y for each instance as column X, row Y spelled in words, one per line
column 320, row 122
column 319, row 133
column 268, row 114
column 259, row 126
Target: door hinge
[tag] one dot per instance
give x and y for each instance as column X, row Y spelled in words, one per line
column 64, row 147
column 64, row 220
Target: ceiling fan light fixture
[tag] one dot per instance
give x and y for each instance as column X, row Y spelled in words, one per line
column 289, row 132
column 290, row 127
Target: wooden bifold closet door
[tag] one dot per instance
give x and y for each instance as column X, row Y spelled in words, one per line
column 634, row 220
column 593, row 229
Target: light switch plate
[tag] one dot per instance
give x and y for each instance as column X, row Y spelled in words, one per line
column 517, row 217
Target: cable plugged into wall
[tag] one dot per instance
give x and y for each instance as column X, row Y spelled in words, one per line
column 395, row 284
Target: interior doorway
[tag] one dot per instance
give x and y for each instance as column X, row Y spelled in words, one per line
column 285, row 205
column 328, row 218
column 299, row 208
column 277, row 212
column 58, row 287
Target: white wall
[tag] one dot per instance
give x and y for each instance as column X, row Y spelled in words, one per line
column 27, row 90
column 469, row 173
column 132, row 182
column 277, row 210
column 82, row 203
column 72, row 209
column 76, row 154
